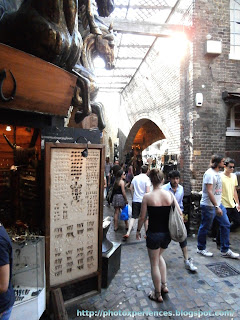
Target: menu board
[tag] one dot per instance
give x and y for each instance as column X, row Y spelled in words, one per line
column 74, row 195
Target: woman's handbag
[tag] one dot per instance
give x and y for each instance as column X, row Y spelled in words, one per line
column 110, row 195
column 124, row 214
column 176, row 226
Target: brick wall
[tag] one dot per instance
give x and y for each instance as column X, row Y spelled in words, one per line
column 163, row 91
column 211, row 75
column 233, row 149
column 187, row 114
column 154, row 94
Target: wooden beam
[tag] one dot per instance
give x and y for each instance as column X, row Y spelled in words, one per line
column 106, row 84
column 130, row 58
column 40, row 86
column 145, row 28
column 142, row 7
column 59, row 310
column 140, row 46
column 107, row 87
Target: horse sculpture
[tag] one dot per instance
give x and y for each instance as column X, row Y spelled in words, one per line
column 93, row 45
column 49, row 29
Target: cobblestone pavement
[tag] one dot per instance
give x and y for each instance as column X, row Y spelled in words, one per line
column 203, row 292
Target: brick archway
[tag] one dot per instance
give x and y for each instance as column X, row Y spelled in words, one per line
column 143, row 133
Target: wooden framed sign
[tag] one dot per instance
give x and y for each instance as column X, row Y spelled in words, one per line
column 74, row 202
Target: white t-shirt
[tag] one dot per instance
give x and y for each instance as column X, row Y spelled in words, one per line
column 140, row 184
column 211, row 177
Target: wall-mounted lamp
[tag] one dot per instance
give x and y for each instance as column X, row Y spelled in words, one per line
column 8, row 128
column 85, row 151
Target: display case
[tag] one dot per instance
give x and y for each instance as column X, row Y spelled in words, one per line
column 29, row 278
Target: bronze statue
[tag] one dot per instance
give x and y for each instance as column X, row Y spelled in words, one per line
column 49, row 29
column 93, row 45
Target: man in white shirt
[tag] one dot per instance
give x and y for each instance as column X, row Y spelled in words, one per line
column 211, row 207
column 139, row 186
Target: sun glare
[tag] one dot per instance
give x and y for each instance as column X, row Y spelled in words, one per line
column 99, row 63
column 173, row 48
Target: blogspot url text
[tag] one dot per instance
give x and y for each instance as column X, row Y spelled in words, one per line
column 176, row 313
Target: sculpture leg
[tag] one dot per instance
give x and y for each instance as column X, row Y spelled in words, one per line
column 84, row 101
column 97, row 108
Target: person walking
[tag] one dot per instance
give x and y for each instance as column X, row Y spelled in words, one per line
column 107, row 171
column 119, row 197
column 139, row 186
column 177, row 190
column 230, row 198
column 211, row 207
column 129, row 174
column 157, row 204
column 7, row 296
column 114, row 170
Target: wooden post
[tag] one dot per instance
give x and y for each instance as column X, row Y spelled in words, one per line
column 59, row 310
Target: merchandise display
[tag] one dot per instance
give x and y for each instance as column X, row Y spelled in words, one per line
column 29, row 277
column 73, row 227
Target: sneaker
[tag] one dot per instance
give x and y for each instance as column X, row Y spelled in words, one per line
column 230, row 254
column 189, row 265
column 205, row 253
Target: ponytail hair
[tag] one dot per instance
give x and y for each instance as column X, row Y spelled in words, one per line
column 156, row 176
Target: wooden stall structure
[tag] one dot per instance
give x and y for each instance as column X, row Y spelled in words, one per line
column 40, row 86
column 35, row 99
column 74, row 204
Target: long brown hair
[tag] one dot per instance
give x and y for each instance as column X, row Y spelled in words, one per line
column 118, row 178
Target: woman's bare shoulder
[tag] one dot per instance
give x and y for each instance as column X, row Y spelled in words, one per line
column 147, row 196
column 165, row 192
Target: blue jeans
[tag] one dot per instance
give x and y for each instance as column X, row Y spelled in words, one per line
column 6, row 314
column 208, row 214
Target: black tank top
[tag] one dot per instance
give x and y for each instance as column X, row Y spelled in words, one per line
column 117, row 190
column 158, row 218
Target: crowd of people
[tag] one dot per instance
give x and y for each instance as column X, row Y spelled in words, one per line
column 151, row 204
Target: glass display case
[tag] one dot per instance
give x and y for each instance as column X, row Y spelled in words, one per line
column 29, row 278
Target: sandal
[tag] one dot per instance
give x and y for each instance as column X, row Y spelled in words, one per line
column 125, row 236
column 164, row 287
column 155, row 296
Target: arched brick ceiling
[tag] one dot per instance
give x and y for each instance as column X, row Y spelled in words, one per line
column 143, row 134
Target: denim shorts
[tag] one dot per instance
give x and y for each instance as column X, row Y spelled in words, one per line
column 156, row 240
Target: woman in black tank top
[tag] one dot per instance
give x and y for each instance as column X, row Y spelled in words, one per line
column 157, row 204
column 119, row 198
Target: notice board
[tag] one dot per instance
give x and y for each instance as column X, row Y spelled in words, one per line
column 74, row 201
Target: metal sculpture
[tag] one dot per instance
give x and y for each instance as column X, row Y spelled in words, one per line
column 49, row 29
column 93, row 45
